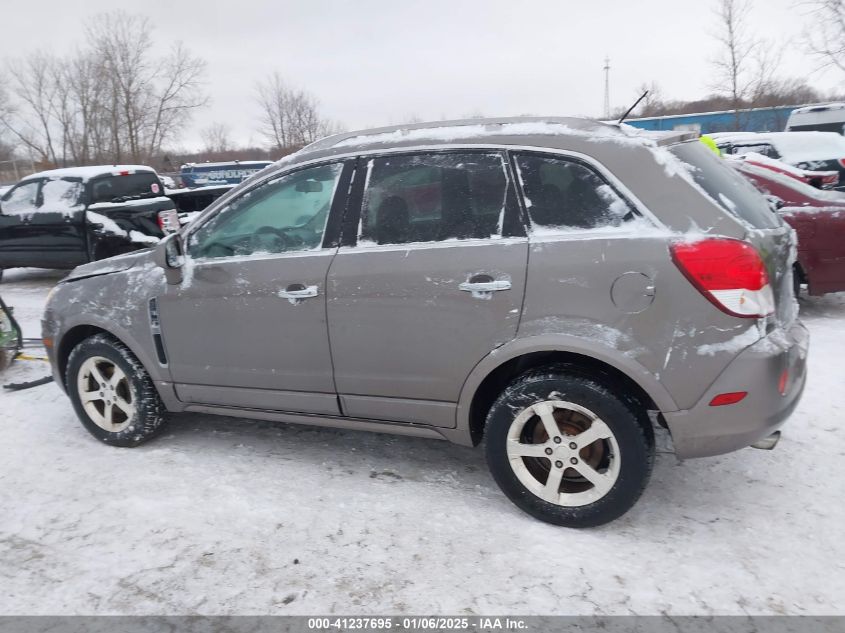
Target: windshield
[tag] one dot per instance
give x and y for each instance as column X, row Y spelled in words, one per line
column 725, row 186
column 126, row 187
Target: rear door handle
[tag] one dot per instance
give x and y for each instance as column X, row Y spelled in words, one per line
column 297, row 292
column 485, row 286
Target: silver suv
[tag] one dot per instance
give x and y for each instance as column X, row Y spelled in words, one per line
column 553, row 288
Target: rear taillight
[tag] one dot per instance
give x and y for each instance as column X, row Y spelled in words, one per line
column 730, row 273
column 168, row 221
column 842, row 161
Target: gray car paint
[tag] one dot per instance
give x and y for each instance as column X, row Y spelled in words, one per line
column 569, row 306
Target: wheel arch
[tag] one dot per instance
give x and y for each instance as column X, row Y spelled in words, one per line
column 500, row 367
column 78, row 332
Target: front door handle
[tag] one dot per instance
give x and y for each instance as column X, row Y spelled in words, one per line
column 485, row 286
column 297, row 292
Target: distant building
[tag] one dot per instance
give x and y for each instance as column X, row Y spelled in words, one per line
column 755, row 120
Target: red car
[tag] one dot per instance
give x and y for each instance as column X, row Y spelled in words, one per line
column 817, row 216
column 820, row 179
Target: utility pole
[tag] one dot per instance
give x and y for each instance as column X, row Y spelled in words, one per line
column 607, row 87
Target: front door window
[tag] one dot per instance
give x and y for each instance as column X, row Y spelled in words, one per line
column 284, row 215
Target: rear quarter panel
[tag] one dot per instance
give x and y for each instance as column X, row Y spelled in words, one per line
column 679, row 338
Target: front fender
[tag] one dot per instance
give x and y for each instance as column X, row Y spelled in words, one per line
column 116, row 303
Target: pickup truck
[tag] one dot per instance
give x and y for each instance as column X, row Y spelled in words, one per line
column 66, row 217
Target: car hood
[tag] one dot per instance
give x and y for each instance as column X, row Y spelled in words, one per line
column 110, row 265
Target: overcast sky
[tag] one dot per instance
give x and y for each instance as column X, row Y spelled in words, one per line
column 376, row 62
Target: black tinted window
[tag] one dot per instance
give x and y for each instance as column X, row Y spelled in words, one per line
column 432, row 197
column 724, row 185
column 123, row 188
column 562, row 194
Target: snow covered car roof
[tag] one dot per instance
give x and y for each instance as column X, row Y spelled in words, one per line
column 794, row 147
column 553, row 132
column 821, row 107
column 87, row 173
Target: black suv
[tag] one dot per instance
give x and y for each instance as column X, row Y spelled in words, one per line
column 67, row 217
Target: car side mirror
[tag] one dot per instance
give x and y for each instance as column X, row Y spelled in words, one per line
column 775, row 203
column 169, row 255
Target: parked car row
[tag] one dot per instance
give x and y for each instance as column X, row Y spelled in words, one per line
column 818, row 216
column 553, row 287
column 816, row 151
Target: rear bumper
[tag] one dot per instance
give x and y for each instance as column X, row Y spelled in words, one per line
column 704, row 430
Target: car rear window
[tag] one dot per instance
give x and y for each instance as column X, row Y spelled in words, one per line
column 126, row 187
column 725, row 186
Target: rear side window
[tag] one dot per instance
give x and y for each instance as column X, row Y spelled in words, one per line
column 725, row 186
column 123, row 188
column 433, row 197
column 563, row 194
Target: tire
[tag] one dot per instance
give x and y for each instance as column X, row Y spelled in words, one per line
column 126, row 409
column 618, row 460
column 6, row 355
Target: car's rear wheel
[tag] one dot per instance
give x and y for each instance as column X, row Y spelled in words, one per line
column 112, row 393
column 567, row 450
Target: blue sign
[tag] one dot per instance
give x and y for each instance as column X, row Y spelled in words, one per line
column 204, row 174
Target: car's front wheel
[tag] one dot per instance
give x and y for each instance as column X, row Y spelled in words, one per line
column 566, row 449
column 112, row 393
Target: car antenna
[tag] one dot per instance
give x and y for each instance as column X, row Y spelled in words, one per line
column 636, row 103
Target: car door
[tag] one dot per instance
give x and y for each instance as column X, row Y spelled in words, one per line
column 42, row 224
column 16, row 238
column 247, row 327
column 428, row 281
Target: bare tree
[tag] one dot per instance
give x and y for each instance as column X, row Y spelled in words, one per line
column 216, row 138
column 147, row 98
column 180, row 92
column 745, row 65
column 825, row 35
column 32, row 82
column 290, row 117
column 112, row 101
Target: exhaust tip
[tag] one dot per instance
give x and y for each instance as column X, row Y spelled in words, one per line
column 768, row 442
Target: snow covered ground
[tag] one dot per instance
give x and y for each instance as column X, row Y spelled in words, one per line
column 224, row 516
